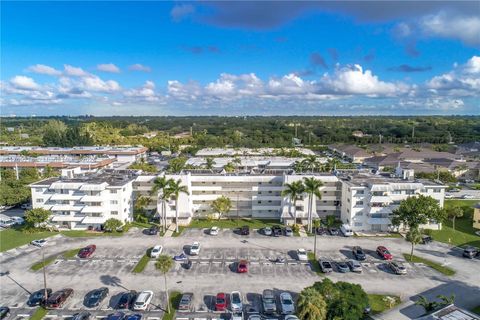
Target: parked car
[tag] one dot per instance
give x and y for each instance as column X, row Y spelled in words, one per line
column 325, row 266
column 236, row 301
column 187, row 264
column 286, row 303
column 268, row 302
column 288, row 231
column 255, row 316
column 26, row 206
column 267, row 231
column 38, row 297
column 291, row 317
column 213, row 231
column 342, row 267
column 84, row 315
column 426, row 239
column 136, row 316
column 245, row 230
column 195, row 248
column 321, row 231
column 276, row 231
column 127, row 299
column 116, row 316
column 237, row 316
column 333, row 231
column 153, row 230
column 156, row 251
column 180, row 257
column 397, row 267
column 57, row 299
column 278, row 259
column 143, row 300
column 95, row 297
column 468, row 196
column 4, row 312
column 185, row 303
column 242, row 266
column 358, row 253
column 448, row 196
column 354, row 266
column 346, row 230
column 302, row 255
column 87, row 251
column 470, row 252
column 221, row 302
column 39, row 243
column 7, row 223
column 18, row 220
column 384, row 253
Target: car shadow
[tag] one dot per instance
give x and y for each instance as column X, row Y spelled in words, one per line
column 372, row 253
column 114, row 300
column 186, row 248
column 254, row 304
column 292, row 254
column 347, row 253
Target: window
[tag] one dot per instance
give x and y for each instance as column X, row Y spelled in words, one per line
column 259, row 201
column 113, row 202
column 358, row 224
column 39, row 200
column 360, row 192
column 113, row 191
column 359, row 213
column 114, row 212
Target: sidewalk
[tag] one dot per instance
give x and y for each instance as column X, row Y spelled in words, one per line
column 302, row 232
column 170, row 230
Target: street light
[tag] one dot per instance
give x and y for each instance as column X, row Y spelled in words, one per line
column 44, row 275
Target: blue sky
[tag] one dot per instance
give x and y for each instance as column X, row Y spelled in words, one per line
column 237, row 58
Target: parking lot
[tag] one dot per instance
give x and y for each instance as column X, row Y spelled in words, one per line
column 213, row 270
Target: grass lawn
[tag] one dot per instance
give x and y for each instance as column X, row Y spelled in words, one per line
column 442, row 269
column 314, row 263
column 464, row 233
column 476, row 310
column 39, row 265
column 174, row 298
column 13, row 237
column 233, row 223
column 71, row 253
column 380, row 303
column 39, row 314
column 179, row 233
column 142, row 263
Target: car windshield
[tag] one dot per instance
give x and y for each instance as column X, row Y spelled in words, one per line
column 286, row 301
column 220, row 300
column 386, row 252
column 96, row 295
column 195, row 246
column 235, row 298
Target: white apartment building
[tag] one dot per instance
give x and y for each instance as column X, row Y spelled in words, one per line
column 85, row 202
column 369, row 200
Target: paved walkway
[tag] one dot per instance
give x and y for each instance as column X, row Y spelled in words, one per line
column 302, row 232
column 170, row 230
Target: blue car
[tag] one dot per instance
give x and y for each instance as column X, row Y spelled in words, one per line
column 180, row 257
column 116, row 316
column 136, row 316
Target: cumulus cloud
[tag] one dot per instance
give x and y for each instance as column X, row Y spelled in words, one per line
column 74, row 71
column 144, row 93
column 24, row 83
column 139, row 67
column 43, row 69
column 444, row 25
column 108, row 67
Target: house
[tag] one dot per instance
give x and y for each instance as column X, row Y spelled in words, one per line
column 353, row 153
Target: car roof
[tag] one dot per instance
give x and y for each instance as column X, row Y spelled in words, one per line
column 381, row 248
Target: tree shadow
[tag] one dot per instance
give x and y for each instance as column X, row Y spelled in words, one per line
column 112, row 281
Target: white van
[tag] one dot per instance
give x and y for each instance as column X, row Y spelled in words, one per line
column 346, row 230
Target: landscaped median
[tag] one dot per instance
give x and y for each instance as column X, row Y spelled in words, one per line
column 39, row 314
column 380, row 303
column 314, row 263
column 142, row 263
column 65, row 255
column 174, row 301
column 434, row 265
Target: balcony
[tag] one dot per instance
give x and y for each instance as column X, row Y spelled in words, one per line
column 380, row 199
column 267, row 188
column 92, row 199
column 66, row 207
column 266, row 197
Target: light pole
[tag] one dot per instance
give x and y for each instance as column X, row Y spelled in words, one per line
column 44, row 275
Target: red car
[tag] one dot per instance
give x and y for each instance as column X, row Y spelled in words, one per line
column 242, row 266
column 384, row 253
column 58, row 298
column 221, row 302
column 87, row 251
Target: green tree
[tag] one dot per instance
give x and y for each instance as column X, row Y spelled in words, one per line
column 37, row 216
column 453, row 213
column 141, row 203
column 415, row 211
column 176, row 164
column 175, row 189
column 293, row 191
column 414, row 237
column 222, row 205
column 164, row 264
column 112, row 224
column 210, row 162
column 312, row 188
column 229, row 167
column 161, row 184
column 311, row 305
column 311, row 164
column 426, row 304
column 330, row 221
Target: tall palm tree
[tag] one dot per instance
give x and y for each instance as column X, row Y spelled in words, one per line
column 311, row 305
column 293, row 190
column 174, row 188
column 310, row 163
column 162, row 184
column 164, row 263
column 312, row 188
column 209, row 163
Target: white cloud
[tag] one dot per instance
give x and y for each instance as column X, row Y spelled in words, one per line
column 186, row 92
column 139, row 67
column 24, row 83
column 108, row 67
column 43, row 69
column 75, row 71
column 465, row 28
column 145, row 93
column 290, row 84
column 96, row 84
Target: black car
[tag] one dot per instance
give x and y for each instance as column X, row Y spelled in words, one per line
column 470, row 252
column 187, row 264
column 38, row 297
column 333, row 231
column 358, row 253
column 321, row 231
column 276, row 231
column 95, row 297
column 426, row 239
column 127, row 299
column 84, row 315
column 153, row 230
column 4, row 312
column 245, row 230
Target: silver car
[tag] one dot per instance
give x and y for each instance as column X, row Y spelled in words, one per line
column 354, row 265
column 286, row 303
column 268, row 301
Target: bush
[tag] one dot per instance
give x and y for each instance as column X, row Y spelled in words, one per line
column 141, row 218
column 296, row 228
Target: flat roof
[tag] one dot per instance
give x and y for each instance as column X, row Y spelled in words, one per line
column 75, row 150
column 363, row 179
column 112, row 179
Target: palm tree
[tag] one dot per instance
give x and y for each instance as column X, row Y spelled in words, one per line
column 310, row 163
column 174, row 188
column 414, row 237
column 293, row 191
column 311, row 305
column 453, row 213
column 162, row 184
column 312, row 188
column 446, row 300
column 209, row 163
column 164, row 263
column 427, row 305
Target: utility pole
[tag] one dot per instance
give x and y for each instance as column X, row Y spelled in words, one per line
column 44, row 275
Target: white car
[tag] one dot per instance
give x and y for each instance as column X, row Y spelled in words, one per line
column 302, row 255
column 156, row 251
column 236, row 301
column 26, row 206
column 195, row 249
column 291, row 317
column 18, row 220
column 286, row 303
column 143, row 300
column 7, row 223
column 448, row 196
column 467, row 196
column 39, row 242
column 213, row 231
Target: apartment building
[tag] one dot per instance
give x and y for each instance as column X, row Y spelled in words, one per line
column 368, row 200
column 82, row 202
